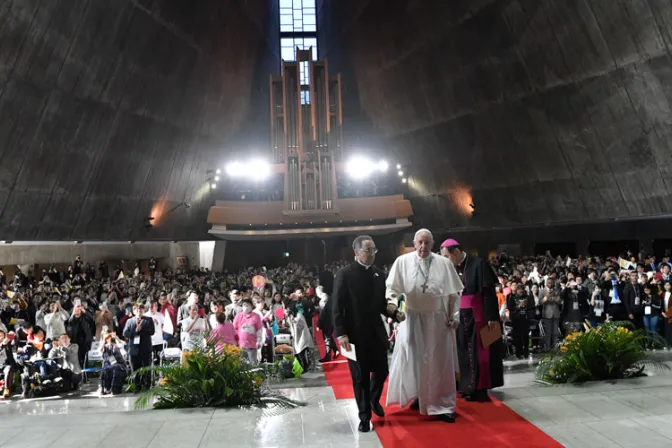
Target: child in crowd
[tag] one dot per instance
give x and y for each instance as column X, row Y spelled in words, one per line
column 224, row 333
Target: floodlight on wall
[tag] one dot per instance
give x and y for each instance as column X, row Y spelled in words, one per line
column 400, row 173
column 403, row 180
column 398, row 166
column 359, row 167
column 213, row 186
column 216, row 178
column 255, row 169
column 219, row 171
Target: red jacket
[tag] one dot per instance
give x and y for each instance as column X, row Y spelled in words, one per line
column 171, row 312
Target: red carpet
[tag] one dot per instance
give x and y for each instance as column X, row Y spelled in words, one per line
column 477, row 424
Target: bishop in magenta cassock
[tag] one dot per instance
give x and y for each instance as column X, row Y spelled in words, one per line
column 480, row 367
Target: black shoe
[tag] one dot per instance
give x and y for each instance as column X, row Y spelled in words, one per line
column 480, row 396
column 447, row 418
column 415, row 406
column 326, row 358
column 364, row 426
column 377, row 409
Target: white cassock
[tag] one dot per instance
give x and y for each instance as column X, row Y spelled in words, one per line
column 424, row 362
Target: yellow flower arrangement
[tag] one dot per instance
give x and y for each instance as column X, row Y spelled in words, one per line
column 232, row 350
column 258, row 380
column 609, row 351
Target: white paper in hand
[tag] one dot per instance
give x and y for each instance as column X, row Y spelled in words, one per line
column 350, row 354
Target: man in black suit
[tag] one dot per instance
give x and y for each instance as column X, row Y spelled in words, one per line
column 358, row 302
column 632, row 300
column 138, row 331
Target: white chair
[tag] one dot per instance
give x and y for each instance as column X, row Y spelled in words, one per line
column 170, row 353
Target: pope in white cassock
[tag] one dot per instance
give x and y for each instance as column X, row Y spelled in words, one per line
column 424, row 362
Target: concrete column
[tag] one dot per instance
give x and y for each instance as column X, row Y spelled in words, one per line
column 206, row 252
column 218, row 256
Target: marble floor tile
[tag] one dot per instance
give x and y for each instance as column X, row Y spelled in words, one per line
column 628, row 433
column 180, row 433
column 133, row 435
column 556, row 409
column 658, row 423
column 641, row 401
column 83, row 435
column 577, row 435
column 603, row 406
column 37, row 437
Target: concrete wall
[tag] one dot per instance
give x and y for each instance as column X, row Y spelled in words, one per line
column 60, row 253
column 112, row 111
column 536, row 111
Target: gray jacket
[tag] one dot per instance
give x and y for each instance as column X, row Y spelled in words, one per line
column 68, row 357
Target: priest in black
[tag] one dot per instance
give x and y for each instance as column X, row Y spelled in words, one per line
column 358, row 301
column 481, row 367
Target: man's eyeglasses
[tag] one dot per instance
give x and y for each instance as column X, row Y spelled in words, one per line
column 370, row 250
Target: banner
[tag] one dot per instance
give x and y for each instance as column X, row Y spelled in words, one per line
column 627, row 265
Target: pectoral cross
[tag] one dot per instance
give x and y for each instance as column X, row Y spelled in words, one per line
column 424, row 288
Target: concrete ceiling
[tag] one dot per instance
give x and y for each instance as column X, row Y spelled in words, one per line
column 112, row 110
column 538, row 111
column 535, row 111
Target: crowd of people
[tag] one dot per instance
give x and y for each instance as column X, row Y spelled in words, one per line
column 50, row 321
column 565, row 295
column 131, row 319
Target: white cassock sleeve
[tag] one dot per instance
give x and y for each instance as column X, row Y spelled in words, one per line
column 452, row 288
column 395, row 282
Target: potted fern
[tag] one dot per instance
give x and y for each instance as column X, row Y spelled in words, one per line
column 210, row 377
column 611, row 351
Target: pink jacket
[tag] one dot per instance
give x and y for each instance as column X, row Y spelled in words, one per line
column 247, row 325
column 224, row 334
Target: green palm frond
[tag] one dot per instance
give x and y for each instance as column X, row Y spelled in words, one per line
column 610, row 351
column 206, row 378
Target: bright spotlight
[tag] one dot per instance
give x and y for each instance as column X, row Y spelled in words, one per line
column 219, row 171
column 255, row 169
column 398, row 166
column 403, row 180
column 360, row 167
column 259, row 169
column 213, row 186
column 235, row 169
column 401, row 173
column 216, row 178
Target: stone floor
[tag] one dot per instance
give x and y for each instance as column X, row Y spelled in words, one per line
column 626, row 413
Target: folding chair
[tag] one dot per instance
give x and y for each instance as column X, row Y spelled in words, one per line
column 169, row 353
column 93, row 355
column 282, row 339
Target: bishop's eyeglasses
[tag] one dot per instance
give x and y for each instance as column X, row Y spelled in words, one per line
column 370, row 250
